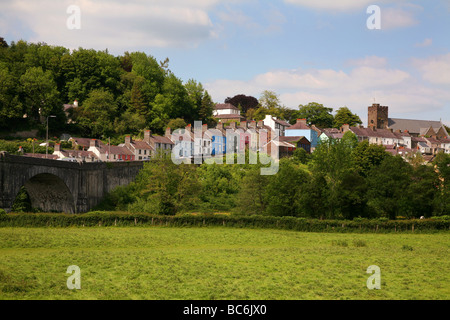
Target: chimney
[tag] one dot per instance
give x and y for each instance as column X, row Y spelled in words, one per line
column 345, row 128
column 168, row 132
column 252, row 124
column 244, row 124
column 219, row 126
column 260, row 123
column 57, row 147
column 204, row 128
column 147, row 135
column 127, row 140
column 188, row 128
column 93, row 143
column 303, row 121
column 233, row 125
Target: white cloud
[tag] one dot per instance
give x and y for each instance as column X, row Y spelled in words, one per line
column 113, row 23
column 399, row 17
column 425, row 43
column 435, row 70
column 368, row 61
column 339, row 5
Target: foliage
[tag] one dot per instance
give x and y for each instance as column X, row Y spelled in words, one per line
column 345, row 116
column 315, row 113
column 117, row 95
column 243, row 102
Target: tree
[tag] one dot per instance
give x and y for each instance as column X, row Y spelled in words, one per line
column 176, row 123
column 10, row 106
column 40, row 94
column 345, row 116
column 366, row 156
column 252, row 197
column 284, row 189
column 97, row 113
column 243, row 102
column 3, row 43
column 441, row 165
column 387, row 187
column 201, row 101
column 316, row 114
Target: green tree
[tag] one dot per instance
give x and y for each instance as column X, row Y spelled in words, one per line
column 315, row 113
column 97, row 114
column 10, row 106
column 40, row 94
column 345, row 116
column 176, row 123
column 441, row 165
column 252, row 197
column 366, row 156
column 284, row 189
column 388, row 186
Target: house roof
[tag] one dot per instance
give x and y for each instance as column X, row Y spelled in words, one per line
column 139, row 144
column 229, row 116
column 378, row 133
column 291, row 139
column 84, row 142
column 116, row 150
column 78, row 154
column 281, row 122
column 333, row 133
column 414, row 126
column 299, row 126
column 40, row 155
column 161, row 139
column 223, row 106
column 68, row 106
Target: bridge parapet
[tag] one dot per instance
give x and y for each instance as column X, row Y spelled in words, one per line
column 59, row 185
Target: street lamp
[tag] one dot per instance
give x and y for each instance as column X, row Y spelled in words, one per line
column 46, row 145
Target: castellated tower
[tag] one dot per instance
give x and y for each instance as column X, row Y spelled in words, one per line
column 377, row 117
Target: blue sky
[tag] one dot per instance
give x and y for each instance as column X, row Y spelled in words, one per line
column 303, row 50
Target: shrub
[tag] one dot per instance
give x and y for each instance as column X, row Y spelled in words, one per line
column 359, row 243
column 407, row 248
column 341, row 243
column 2, row 211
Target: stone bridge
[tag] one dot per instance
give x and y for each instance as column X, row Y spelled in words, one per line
column 61, row 186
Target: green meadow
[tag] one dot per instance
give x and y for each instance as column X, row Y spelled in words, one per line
column 220, row 263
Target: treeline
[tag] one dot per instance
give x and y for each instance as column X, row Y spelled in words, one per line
column 340, row 180
column 117, row 95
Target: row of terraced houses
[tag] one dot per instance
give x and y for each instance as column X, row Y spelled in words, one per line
column 234, row 133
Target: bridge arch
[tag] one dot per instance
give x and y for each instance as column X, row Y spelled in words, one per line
column 49, row 192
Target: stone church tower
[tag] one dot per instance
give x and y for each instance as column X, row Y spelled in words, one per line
column 377, row 117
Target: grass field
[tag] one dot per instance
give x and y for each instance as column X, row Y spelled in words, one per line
column 220, row 263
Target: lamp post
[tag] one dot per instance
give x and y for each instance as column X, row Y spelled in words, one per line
column 46, row 144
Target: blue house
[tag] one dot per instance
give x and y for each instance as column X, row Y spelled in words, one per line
column 302, row 129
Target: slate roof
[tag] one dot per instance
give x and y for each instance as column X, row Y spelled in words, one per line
column 413, row 126
column 223, row 106
column 299, row 126
column 291, row 139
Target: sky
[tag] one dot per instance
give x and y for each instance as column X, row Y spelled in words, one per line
column 324, row 51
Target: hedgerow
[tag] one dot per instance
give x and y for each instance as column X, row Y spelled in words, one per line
column 108, row 219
